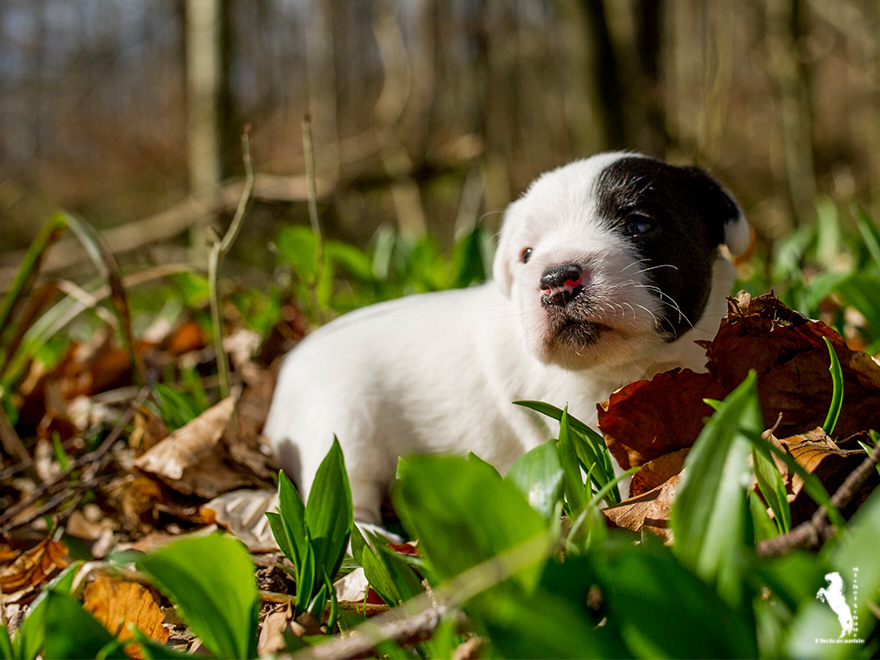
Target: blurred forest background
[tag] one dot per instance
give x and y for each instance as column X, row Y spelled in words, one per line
column 427, row 114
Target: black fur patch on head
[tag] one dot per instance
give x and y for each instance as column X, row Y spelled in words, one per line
column 674, row 218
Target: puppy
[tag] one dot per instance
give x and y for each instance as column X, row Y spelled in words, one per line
column 607, row 271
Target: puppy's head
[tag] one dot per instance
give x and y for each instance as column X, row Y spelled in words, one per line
column 611, row 257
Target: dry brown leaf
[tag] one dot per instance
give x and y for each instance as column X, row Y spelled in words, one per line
column 789, row 355
column 657, row 471
column 648, row 419
column 831, row 462
column 647, row 512
column 116, row 603
column 188, row 445
column 272, row 634
column 243, row 513
column 192, row 460
column 32, row 568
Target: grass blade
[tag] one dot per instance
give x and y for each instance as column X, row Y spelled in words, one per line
column 836, row 392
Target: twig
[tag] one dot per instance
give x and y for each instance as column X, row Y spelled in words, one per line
column 51, row 487
column 416, row 619
column 813, row 533
column 359, row 607
column 309, row 153
column 218, row 250
column 360, row 644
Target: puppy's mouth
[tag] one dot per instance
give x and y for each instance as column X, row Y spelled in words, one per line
column 577, row 329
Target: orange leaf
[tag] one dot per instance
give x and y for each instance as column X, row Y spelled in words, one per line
column 116, row 603
column 34, row 567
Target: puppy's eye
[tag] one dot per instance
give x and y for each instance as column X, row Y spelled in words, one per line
column 637, row 224
column 525, row 255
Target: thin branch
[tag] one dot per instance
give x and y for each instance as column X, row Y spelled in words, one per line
column 218, row 250
column 812, row 533
column 314, row 218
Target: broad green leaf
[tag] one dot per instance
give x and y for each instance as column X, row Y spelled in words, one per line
column 658, row 605
column 392, row 578
column 538, row 474
column 463, row 513
column 211, row 580
column 153, row 650
column 589, row 446
column 772, row 487
column 571, row 471
column 71, row 632
column 31, row 635
column 292, row 512
column 764, row 526
column 5, row 645
column 328, row 513
column 710, row 516
column 545, row 626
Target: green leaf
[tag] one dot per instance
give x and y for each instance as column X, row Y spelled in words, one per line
column 589, row 446
column 71, row 632
column 837, row 390
column 710, row 514
column 153, row 650
column 539, row 475
column 546, row 626
column 463, row 513
column 329, row 513
column 657, row 605
column 389, row 574
column 211, row 580
column 292, row 512
column 772, row 487
column 5, row 645
column 31, row 635
column 573, row 484
column 764, row 526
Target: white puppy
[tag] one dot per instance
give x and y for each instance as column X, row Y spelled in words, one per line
column 607, row 271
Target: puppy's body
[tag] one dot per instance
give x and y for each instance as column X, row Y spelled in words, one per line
column 607, row 271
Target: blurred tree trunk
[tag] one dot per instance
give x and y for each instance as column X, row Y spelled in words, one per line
column 596, row 98
column 784, row 38
column 207, row 44
column 652, row 137
column 608, row 92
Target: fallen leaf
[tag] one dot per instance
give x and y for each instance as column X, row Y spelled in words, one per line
column 275, row 625
column 243, row 513
column 648, row 512
column 116, row 603
column 789, row 355
column 32, row 568
column 192, row 459
column 649, row 418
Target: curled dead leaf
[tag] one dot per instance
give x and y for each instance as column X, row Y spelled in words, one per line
column 32, row 568
column 243, row 513
column 648, row 512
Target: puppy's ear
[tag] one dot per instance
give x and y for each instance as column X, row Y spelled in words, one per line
column 726, row 220
column 503, row 263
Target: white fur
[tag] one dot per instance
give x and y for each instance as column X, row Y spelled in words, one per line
column 437, row 373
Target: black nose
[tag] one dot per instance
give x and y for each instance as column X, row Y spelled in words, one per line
column 560, row 284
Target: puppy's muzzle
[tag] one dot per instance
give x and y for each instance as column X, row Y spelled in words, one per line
column 560, row 284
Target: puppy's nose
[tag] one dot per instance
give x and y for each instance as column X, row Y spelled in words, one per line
column 560, row 284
